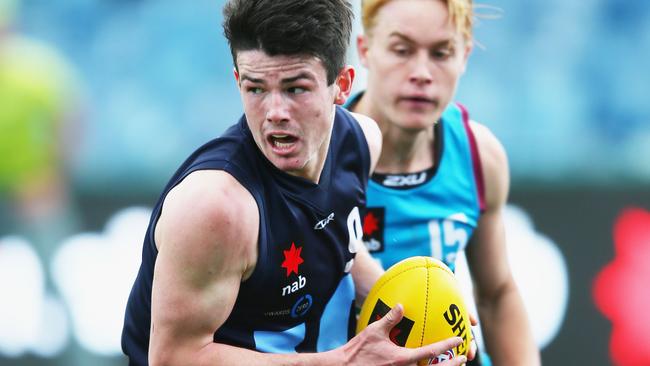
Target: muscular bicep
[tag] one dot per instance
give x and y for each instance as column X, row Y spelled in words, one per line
column 189, row 303
column 205, row 250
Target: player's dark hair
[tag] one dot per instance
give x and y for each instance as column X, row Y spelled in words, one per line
column 319, row 28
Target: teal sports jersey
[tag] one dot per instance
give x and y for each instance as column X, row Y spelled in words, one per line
column 405, row 217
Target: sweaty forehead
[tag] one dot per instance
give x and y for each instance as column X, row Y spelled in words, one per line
column 259, row 65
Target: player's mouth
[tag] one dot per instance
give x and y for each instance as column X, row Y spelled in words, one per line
column 418, row 102
column 282, row 144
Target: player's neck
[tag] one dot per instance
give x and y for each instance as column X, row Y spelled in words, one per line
column 403, row 150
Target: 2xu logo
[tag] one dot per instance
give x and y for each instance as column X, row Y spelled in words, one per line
column 405, row 180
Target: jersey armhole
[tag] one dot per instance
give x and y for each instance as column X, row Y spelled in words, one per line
column 364, row 146
column 236, row 172
column 476, row 158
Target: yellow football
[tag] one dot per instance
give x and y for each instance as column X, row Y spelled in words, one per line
column 433, row 305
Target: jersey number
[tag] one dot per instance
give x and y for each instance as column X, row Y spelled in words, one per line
column 447, row 238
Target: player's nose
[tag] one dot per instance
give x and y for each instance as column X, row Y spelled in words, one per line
column 277, row 108
column 421, row 69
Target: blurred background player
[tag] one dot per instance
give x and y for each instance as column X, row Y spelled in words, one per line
column 39, row 118
column 442, row 180
column 253, row 254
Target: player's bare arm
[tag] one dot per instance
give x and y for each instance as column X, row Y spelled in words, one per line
column 206, row 238
column 503, row 317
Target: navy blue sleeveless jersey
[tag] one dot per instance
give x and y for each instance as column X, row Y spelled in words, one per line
column 300, row 297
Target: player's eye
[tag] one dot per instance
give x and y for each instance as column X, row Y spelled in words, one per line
column 401, row 51
column 296, row 90
column 254, row 90
column 442, row 53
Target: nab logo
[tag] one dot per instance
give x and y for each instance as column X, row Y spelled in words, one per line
column 404, row 180
column 322, row 223
column 295, row 286
column 292, row 260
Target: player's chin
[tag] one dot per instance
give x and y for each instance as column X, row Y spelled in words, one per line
column 290, row 164
column 414, row 124
column 417, row 119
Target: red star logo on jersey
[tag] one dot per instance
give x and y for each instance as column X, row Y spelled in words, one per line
column 292, row 259
column 370, row 224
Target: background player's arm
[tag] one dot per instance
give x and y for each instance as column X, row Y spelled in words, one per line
column 366, row 270
column 373, row 137
column 207, row 242
column 504, row 320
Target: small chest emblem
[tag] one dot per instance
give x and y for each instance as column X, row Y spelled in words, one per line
column 373, row 229
column 292, row 259
column 322, row 223
column 405, row 180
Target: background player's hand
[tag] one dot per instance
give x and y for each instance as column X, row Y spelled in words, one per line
column 473, row 348
column 373, row 346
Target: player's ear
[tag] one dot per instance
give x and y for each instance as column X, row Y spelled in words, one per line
column 469, row 45
column 236, row 73
column 362, row 49
column 344, row 84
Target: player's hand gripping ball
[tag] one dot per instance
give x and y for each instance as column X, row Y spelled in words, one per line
column 433, row 305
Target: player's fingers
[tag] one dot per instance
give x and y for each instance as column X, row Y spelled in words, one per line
column 434, row 349
column 473, row 320
column 473, row 347
column 392, row 318
column 472, row 351
column 456, row 361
